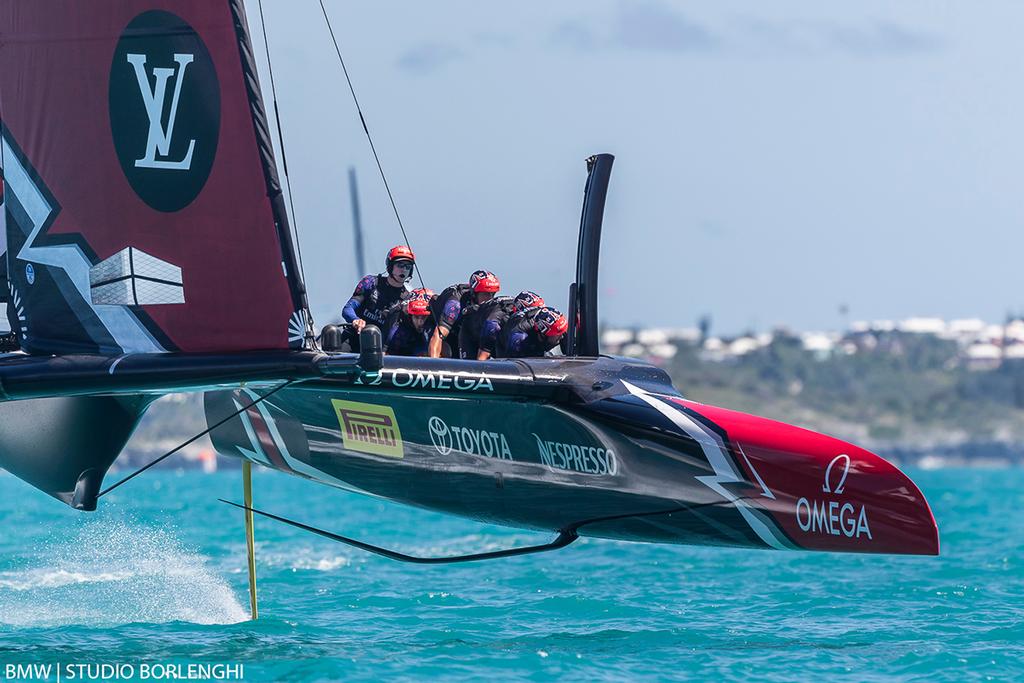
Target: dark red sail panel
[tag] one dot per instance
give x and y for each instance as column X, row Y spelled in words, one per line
column 143, row 208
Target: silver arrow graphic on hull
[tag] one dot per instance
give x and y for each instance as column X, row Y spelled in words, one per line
column 715, row 451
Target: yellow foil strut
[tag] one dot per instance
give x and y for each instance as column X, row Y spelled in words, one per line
column 250, row 543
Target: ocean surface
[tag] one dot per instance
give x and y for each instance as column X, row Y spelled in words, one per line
column 157, row 576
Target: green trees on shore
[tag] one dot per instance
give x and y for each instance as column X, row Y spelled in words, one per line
column 893, row 387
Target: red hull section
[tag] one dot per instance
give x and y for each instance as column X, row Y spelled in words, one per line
column 824, row 493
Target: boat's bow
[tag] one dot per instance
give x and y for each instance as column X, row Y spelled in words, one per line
column 793, row 487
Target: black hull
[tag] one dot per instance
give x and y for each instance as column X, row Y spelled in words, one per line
column 492, row 471
column 550, row 445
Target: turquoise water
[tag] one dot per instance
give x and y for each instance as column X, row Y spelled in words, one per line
column 158, row 576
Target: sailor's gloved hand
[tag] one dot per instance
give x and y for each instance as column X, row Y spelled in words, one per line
column 358, row 324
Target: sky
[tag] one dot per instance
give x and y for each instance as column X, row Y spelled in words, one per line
column 774, row 161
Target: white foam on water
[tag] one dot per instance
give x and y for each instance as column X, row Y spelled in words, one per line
column 304, row 559
column 54, row 578
column 115, row 574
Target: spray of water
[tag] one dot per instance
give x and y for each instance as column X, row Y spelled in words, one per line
column 115, row 574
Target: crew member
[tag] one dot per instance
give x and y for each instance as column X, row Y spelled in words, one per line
column 479, row 328
column 449, row 305
column 525, row 300
column 408, row 333
column 425, row 293
column 482, row 323
column 375, row 294
column 392, row 312
column 532, row 333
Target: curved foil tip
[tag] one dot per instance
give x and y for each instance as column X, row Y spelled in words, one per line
column 87, row 490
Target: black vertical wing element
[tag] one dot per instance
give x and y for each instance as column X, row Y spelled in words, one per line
column 583, row 332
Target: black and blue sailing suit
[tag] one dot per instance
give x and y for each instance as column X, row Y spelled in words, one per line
column 372, row 298
column 481, row 325
column 401, row 338
column 520, row 339
column 447, row 310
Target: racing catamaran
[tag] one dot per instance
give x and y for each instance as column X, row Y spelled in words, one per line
column 150, row 252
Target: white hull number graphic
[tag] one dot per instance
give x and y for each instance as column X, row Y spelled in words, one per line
column 833, row 517
column 159, row 140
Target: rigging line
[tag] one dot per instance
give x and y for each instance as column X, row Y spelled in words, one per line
column 284, row 160
column 566, row 535
column 373, row 148
column 563, row 539
column 197, row 436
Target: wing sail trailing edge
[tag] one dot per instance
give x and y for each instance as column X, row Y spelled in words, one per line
column 144, row 212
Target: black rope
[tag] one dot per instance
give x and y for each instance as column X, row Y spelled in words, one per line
column 566, row 535
column 369, row 138
column 563, row 539
column 197, row 436
column 284, row 157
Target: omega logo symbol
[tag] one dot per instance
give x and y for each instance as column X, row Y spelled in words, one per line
column 842, row 479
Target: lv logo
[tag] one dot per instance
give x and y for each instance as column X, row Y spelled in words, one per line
column 154, row 96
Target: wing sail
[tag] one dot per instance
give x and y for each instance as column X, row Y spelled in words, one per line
column 143, row 208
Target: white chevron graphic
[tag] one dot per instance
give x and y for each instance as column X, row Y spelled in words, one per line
column 130, row 334
column 715, row 451
column 258, row 455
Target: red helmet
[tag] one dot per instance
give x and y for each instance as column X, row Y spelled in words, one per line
column 484, row 281
column 526, row 299
column 425, row 293
column 550, row 322
column 400, row 253
column 418, row 307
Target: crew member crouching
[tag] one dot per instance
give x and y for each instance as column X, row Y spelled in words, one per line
column 478, row 333
column 532, row 333
column 448, row 308
column 482, row 323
